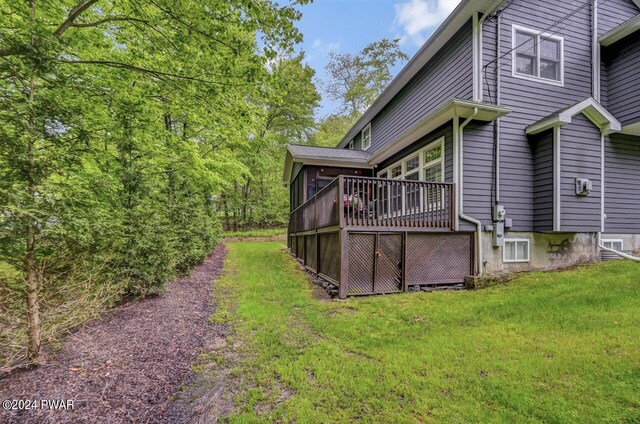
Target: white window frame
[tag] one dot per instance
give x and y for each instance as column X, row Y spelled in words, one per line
column 421, row 168
column 367, row 130
column 516, row 260
column 350, row 145
column 612, row 241
column 538, row 35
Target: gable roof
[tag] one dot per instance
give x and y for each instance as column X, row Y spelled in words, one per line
column 323, row 156
column 588, row 107
column 454, row 22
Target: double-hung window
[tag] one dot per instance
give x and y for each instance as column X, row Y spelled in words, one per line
column 366, row 137
column 538, row 56
column 427, row 164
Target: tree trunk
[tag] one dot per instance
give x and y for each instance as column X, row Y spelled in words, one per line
column 30, row 262
column 33, row 309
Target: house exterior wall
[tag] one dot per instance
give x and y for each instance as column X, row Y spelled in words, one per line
column 448, row 75
column 543, row 181
column 580, row 158
column 478, row 160
column 612, row 13
column 622, row 63
column 622, row 191
column 533, row 100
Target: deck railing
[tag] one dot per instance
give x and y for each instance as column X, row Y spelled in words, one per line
column 375, row 203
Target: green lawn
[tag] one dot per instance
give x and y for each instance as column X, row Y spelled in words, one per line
column 265, row 232
column 552, row 347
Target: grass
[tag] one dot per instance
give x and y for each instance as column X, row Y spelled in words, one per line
column 266, row 232
column 551, row 347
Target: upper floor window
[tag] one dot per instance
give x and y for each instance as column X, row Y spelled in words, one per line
column 366, row 137
column 350, row 145
column 538, row 56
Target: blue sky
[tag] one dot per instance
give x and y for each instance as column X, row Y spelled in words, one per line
column 349, row 25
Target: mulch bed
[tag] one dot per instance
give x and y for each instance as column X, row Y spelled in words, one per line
column 127, row 365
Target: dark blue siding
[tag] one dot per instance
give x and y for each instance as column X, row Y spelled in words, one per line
column 448, row 75
column 534, row 100
column 612, row 13
column 543, row 182
column 478, row 160
column 622, row 191
column 623, row 79
column 580, row 158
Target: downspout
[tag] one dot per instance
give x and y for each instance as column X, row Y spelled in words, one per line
column 498, row 99
column 477, row 223
column 595, row 53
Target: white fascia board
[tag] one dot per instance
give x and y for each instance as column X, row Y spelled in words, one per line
column 621, row 31
column 631, row 129
column 589, row 107
column 288, row 168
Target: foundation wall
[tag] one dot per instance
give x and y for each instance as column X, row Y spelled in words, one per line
column 547, row 251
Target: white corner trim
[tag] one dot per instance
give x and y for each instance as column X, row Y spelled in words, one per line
column 557, row 179
column 477, row 59
column 602, row 187
column 595, row 52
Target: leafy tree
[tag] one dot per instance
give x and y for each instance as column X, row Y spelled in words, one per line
column 331, row 129
column 287, row 103
column 119, row 123
column 356, row 80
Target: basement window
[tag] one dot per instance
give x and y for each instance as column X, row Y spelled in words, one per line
column 617, row 245
column 516, row 250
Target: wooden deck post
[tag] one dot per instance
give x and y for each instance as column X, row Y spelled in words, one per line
column 343, row 289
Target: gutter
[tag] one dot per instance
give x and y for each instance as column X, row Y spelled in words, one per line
column 460, row 196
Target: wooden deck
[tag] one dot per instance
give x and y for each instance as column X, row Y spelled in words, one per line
column 373, row 236
column 364, row 204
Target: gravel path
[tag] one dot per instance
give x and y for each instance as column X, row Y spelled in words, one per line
column 126, row 366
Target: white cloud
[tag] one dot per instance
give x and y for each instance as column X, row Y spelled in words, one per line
column 325, row 47
column 418, row 16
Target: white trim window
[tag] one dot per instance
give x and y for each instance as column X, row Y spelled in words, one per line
column 615, row 244
column 516, row 251
column 350, row 145
column 366, row 137
column 427, row 164
column 537, row 56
